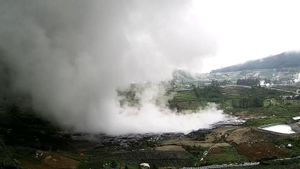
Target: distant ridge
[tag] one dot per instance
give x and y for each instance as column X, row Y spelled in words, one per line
column 283, row 60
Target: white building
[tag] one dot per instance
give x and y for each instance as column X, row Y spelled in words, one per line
column 145, row 166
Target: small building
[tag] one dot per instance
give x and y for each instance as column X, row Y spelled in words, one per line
column 297, row 118
column 144, row 166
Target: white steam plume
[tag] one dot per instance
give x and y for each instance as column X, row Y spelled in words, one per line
column 297, row 79
column 72, row 55
column 156, row 117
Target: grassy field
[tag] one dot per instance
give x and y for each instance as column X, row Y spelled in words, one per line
column 225, row 155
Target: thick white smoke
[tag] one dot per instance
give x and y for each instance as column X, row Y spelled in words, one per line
column 297, row 79
column 71, row 56
column 154, row 116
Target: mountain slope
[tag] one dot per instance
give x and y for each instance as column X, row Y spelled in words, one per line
column 283, row 60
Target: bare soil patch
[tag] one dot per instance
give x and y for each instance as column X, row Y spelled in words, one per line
column 262, row 150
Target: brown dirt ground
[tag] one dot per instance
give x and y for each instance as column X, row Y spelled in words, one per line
column 216, row 150
column 51, row 161
column 246, row 135
column 262, row 150
column 194, row 143
column 169, row 148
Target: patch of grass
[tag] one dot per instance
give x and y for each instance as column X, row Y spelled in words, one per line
column 228, row 155
column 185, row 96
column 266, row 121
column 196, row 151
column 186, row 100
column 294, row 150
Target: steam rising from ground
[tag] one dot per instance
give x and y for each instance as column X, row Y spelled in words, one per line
column 297, row 79
column 150, row 118
column 71, row 56
column 154, row 116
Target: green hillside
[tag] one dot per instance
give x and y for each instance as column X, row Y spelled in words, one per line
column 283, row 60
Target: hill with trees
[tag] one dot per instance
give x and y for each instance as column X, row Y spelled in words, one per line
column 283, row 60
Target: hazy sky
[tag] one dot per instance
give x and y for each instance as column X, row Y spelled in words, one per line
column 246, row 30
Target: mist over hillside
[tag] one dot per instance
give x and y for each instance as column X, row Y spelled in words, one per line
column 282, row 60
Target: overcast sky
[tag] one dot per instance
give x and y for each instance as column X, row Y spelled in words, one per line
column 247, row 30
